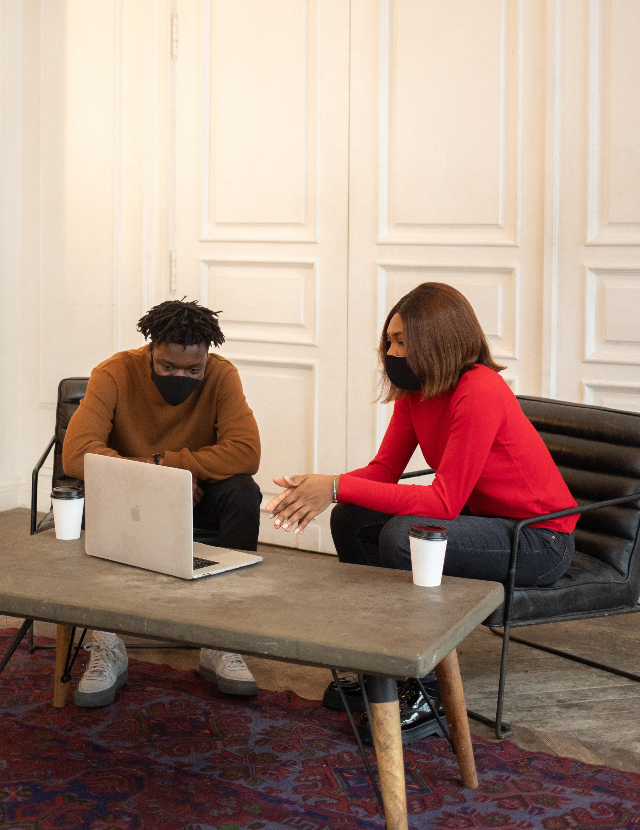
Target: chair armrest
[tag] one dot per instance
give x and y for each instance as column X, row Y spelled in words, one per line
column 416, row 473
column 558, row 514
column 34, row 484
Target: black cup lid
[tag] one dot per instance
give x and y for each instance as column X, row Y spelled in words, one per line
column 67, row 493
column 431, row 532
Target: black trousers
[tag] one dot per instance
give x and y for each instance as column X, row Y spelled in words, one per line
column 228, row 515
column 478, row 547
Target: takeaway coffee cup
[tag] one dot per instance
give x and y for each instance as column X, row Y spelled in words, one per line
column 428, row 544
column 68, row 507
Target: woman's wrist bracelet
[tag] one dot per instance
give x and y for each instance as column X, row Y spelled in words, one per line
column 335, row 490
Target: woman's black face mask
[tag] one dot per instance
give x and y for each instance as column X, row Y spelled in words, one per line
column 175, row 389
column 400, row 373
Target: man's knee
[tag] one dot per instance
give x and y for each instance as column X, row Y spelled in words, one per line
column 236, row 495
column 242, row 488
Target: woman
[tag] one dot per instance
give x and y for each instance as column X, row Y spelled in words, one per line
column 492, row 467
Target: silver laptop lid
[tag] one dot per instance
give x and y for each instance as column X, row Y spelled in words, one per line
column 139, row 514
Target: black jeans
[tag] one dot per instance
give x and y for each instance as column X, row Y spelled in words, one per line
column 228, row 515
column 478, row 547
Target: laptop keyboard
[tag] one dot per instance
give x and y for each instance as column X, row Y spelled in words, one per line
column 202, row 563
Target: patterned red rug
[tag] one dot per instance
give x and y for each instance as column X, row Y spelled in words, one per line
column 173, row 754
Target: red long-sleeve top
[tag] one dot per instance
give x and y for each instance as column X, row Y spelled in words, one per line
column 486, row 454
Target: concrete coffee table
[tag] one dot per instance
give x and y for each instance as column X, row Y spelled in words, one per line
column 312, row 612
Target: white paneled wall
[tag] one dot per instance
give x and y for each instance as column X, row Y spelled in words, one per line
column 261, row 119
column 87, row 228
column 261, row 222
column 450, row 100
column 304, row 163
column 11, row 159
column 597, row 345
column 447, row 178
column 251, row 294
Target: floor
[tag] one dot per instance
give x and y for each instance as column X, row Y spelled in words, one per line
column 554, row 705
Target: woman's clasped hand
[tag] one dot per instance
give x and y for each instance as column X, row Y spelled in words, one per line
column 304, row 498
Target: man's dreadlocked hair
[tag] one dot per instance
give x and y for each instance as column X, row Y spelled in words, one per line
column 184, row 323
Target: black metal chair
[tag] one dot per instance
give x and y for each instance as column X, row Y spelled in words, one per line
column 70, row 392
column 597, row 451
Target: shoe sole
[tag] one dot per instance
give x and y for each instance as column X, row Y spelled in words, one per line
column 104, row 697
column 246, row 688
column 332, row 700
column 411, row 736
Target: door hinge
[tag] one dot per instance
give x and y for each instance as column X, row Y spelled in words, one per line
column 174, row 35
column 173, row 274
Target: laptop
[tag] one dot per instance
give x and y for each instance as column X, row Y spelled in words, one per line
column 142, row 515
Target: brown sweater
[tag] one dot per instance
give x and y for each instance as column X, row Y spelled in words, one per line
column 213, row 434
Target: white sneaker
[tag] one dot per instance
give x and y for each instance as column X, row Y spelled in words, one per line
column 227, row 671
column 106, row 672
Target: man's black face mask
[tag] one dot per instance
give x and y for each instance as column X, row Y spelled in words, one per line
column 175, row 389
column 400, row 373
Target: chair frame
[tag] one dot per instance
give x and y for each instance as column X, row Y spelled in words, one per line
column 34, row 486
column 503, row 730
column 28, row 624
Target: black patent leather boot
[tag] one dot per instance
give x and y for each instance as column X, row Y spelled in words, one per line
column 352, row 691
column 416, row 718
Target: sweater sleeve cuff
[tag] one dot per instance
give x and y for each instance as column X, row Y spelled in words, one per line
column 171, row 459
column 348, row 489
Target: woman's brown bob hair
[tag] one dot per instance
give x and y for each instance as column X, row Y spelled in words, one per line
column 443, row 340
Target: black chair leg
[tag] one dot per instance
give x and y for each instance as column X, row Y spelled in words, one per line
column 502, row 730
column 584, row 660
column 15, row 643
column 183, row 647
column 162, row 646
column 32, row 646
column 347, row 709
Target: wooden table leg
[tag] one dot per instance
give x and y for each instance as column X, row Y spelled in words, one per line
column 63, row 638
column 450, row 683
column 385, row 726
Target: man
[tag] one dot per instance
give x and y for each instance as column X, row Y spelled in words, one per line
column 172, row 403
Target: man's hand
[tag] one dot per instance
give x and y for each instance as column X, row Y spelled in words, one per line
column 198, row 492
column 305, row 497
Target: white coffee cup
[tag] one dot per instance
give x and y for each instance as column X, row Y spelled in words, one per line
column 428, row 545
column 68, row 508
